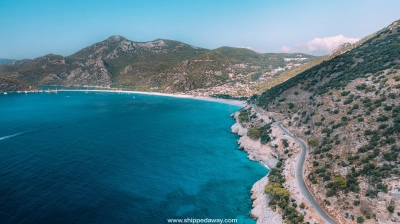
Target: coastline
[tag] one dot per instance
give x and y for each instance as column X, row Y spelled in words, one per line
column 225, row 101
column 260, row 211
column 267, row 155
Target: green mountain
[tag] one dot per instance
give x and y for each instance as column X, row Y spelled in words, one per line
column 348, row 109
column 159, row 65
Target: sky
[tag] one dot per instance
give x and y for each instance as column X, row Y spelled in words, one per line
column 30, row 29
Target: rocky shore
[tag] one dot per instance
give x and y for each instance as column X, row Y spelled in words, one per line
column 268, row 155
column 262, row 153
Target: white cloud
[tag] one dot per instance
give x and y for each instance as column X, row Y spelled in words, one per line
column 250, row 48
column 318, row 45
column 286, row 49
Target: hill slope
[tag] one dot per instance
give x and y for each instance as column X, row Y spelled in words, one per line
column 160, row 65
column 348, row 109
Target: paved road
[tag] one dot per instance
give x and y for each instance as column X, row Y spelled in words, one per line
column 299, row 177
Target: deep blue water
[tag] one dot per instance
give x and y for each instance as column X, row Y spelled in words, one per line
column 75, row 157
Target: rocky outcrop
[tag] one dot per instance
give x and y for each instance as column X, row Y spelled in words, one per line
column 261, row 212
column 256, row 151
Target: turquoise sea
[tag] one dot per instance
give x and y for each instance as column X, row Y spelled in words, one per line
column 97, row 157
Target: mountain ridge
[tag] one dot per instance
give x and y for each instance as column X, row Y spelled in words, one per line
column 162, row 65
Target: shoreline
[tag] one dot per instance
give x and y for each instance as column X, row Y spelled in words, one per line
column 267, row 156
column 204, row 98
column 260, row 212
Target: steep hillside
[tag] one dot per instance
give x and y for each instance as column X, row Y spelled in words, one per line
column 286, row 75
column 12, row 85
column 159, row 65
column 347, row 109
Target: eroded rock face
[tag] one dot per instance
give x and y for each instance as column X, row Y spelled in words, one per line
column 261, row 212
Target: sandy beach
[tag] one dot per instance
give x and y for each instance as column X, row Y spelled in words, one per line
column 225, row 101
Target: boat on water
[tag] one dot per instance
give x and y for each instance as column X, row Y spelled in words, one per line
column 5, row 93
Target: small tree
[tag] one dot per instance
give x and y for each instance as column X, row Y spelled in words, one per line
column 360, row 219
column 340, row 182
column 253, row 133
column 285, row 143
column 313, row 142
column 390, row 208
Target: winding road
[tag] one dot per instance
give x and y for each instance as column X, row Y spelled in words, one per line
column 299, row 176
column 299, row 173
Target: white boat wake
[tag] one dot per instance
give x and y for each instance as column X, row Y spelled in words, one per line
column 19, row 133
column 10, row 136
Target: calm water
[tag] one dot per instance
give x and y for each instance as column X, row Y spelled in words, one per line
column 77, row 157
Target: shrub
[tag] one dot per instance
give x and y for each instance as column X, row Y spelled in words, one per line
column 361, row 87
column 390, row 208
column 383, row 126
column 276, row 190
column 344, row 93
column 285, row 143
column 340, row 182
column 367, row 132
column 348, row 101
column 387, row 108
column 327, row 202
column 243, row 116
column 360, row 219
column 330, row 193
column 382, row 118
column 291, row 105
column 265, row 133
column 313, row 142
column 253, row 133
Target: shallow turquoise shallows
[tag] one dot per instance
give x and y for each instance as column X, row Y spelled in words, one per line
column 97, row 157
